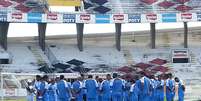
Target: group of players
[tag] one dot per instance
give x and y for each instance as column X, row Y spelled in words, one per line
column 111, row 88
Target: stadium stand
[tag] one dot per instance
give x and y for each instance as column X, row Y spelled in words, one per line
column 92, row 55
column 23, row 6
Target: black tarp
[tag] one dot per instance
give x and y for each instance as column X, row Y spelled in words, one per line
column 75, row 62
column 61, row 66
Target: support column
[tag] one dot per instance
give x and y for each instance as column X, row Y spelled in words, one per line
column 118, row 36
column 41, row 35
column 80, row 31
column 185, row 35
column 3, row 34
column 153, row 35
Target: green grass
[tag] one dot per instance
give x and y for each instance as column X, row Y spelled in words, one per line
column 20, row 99
column 15, row 99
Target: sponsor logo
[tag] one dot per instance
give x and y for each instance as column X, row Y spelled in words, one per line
column 18, row 16
column 187, row 16
column 85, row 17
column 69, row 18
column 34, row 17
column 151, row 16
column 3, row 16
column 52, row 16
column 134, row 18
column 169, row 17
column 102, row 18
column 199, row 16
column 118, row 17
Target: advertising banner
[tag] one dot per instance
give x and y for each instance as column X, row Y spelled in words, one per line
column 3, row 16
column 186, row 17
column 102, row 18
column 69, row 18
column 34, row 17
column 54, row 17
column 17, row 17
column 199, row 16
column 151, row 18
column 119, row 18
column 134, row 18
column 85, row 18
column 169, row 17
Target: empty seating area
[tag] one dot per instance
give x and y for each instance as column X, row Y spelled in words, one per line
column 92, row 55
column 23, row 59
column 23, row 6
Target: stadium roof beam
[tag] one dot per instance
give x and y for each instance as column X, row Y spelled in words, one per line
column 41, row 35
column 185, row 35
column 118, row 36
column 4, row 34
column 80, row 31
column 153, row 35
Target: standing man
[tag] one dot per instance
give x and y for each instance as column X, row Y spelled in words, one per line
column 91, row 87
column 77, row 89
column 30, row 91
column 64, row 93
column 117, row 86
column 171, row 85
column 52, row 90
column 44, row 88
column 179, row 90
column 105, row 88
column 37, row 84
column 134, row 91
column 145, row 88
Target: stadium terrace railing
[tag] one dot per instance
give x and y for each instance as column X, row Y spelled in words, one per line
column 55, row 17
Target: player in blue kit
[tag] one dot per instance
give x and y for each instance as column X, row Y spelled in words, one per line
column 105, row 88
column 134, row 91
column 91, row 87
column 77, row 89
column 145, row 88
column 170, row 91
column 179, row 90
column 117, row 86
column 64, row 93
column 37, row 84
column 52, row 90
column 43, row 88
column 127, row 89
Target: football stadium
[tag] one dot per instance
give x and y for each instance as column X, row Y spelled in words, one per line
column 109, row 64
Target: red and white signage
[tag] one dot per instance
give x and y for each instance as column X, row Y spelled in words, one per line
column 85, row 18
column 185, row 17
column 188, row 16
column 119, row 18
column 151, row 18
column 54, row 17
column 180, row 54
column 17, row 17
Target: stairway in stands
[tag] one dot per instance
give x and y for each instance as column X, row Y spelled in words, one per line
column 193, row 59
column 128, row 56
column 39, row 55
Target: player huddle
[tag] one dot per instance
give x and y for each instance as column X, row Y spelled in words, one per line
column 115, row 88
